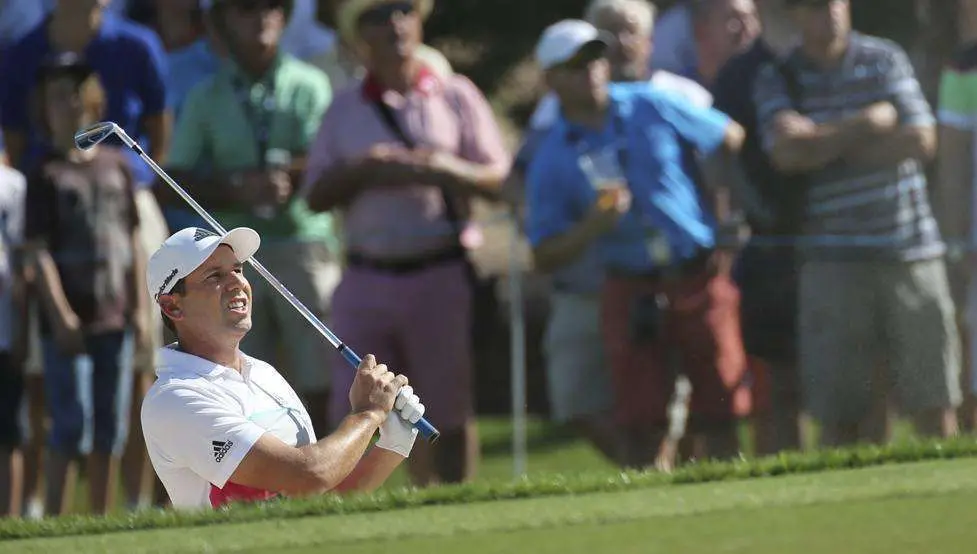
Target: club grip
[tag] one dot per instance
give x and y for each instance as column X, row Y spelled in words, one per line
column 424, row 428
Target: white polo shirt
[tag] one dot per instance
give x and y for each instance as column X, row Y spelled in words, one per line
column 200, row 419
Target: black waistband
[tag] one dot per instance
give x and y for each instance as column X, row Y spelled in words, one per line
column 411, row 265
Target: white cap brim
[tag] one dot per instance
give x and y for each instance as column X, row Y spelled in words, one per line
column 186, row 250
column 244, row 241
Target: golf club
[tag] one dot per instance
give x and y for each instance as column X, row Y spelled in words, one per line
column 97, row 133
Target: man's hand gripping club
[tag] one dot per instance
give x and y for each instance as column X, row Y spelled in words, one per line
column 377, row 391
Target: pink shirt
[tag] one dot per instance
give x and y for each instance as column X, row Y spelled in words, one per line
column 407, row 220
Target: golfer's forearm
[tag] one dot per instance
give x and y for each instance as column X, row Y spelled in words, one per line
column 330, row 461
column 211, row 191
column 372, row 471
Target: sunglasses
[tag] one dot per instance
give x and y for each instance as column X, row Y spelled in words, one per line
column 383, row 13
column 587, row 54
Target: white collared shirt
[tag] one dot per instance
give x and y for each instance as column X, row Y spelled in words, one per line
column 200, row 420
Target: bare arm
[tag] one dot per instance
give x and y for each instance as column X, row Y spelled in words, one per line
column 371, row 472
column 561, row 250
column 721, row 171
column 732, row 193
column 798, row 147
column 336, row 187
column 316, row 468
column 468, row 178
column 918, row 143
column 21, row 312
column 52, row 290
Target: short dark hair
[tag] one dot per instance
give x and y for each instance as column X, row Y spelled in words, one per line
column 179, row 288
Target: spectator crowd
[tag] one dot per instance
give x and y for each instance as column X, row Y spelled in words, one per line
column 745, row 211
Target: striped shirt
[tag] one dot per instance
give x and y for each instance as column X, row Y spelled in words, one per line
column 857, row 211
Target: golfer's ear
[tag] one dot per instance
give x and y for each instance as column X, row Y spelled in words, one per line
column 170, row 305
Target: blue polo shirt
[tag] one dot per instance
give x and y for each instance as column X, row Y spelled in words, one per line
column 128, row 58
column 660, row 134
column 187, row 67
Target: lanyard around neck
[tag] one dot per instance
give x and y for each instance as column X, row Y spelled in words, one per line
column 260, row 118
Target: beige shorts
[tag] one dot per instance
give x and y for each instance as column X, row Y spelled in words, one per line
column 152, row 232
column 855, row 316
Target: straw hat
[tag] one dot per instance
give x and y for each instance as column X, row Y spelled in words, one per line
column 351, row 10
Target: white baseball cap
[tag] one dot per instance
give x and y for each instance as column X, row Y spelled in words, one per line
column 562, row 40
column 186, row 249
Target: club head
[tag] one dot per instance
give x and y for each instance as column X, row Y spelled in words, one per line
column 95, row 134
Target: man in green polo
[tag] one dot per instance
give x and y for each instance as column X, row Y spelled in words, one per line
column 239, row 149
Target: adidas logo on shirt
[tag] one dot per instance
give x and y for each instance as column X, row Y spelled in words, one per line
column 221, row 448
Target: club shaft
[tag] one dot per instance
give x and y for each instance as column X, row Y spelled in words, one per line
column 424, row 428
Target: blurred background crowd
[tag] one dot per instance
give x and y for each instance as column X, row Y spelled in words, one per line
column 734, row 217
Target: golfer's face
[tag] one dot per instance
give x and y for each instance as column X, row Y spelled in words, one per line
column 218, row 297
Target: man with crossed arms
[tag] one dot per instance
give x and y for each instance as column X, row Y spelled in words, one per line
column 221, row 426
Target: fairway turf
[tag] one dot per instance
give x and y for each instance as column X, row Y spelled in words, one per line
column 868, row 510
column 886, row 526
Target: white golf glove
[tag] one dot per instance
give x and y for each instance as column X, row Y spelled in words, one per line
column 397, row 432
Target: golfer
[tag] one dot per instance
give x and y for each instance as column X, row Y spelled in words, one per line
column 221, row 426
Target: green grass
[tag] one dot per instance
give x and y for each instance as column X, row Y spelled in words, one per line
column 571, row 497
column 915, row 524
column 920, row 507
column 540, row 485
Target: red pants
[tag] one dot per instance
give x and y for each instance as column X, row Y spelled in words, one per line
column 700, row 331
